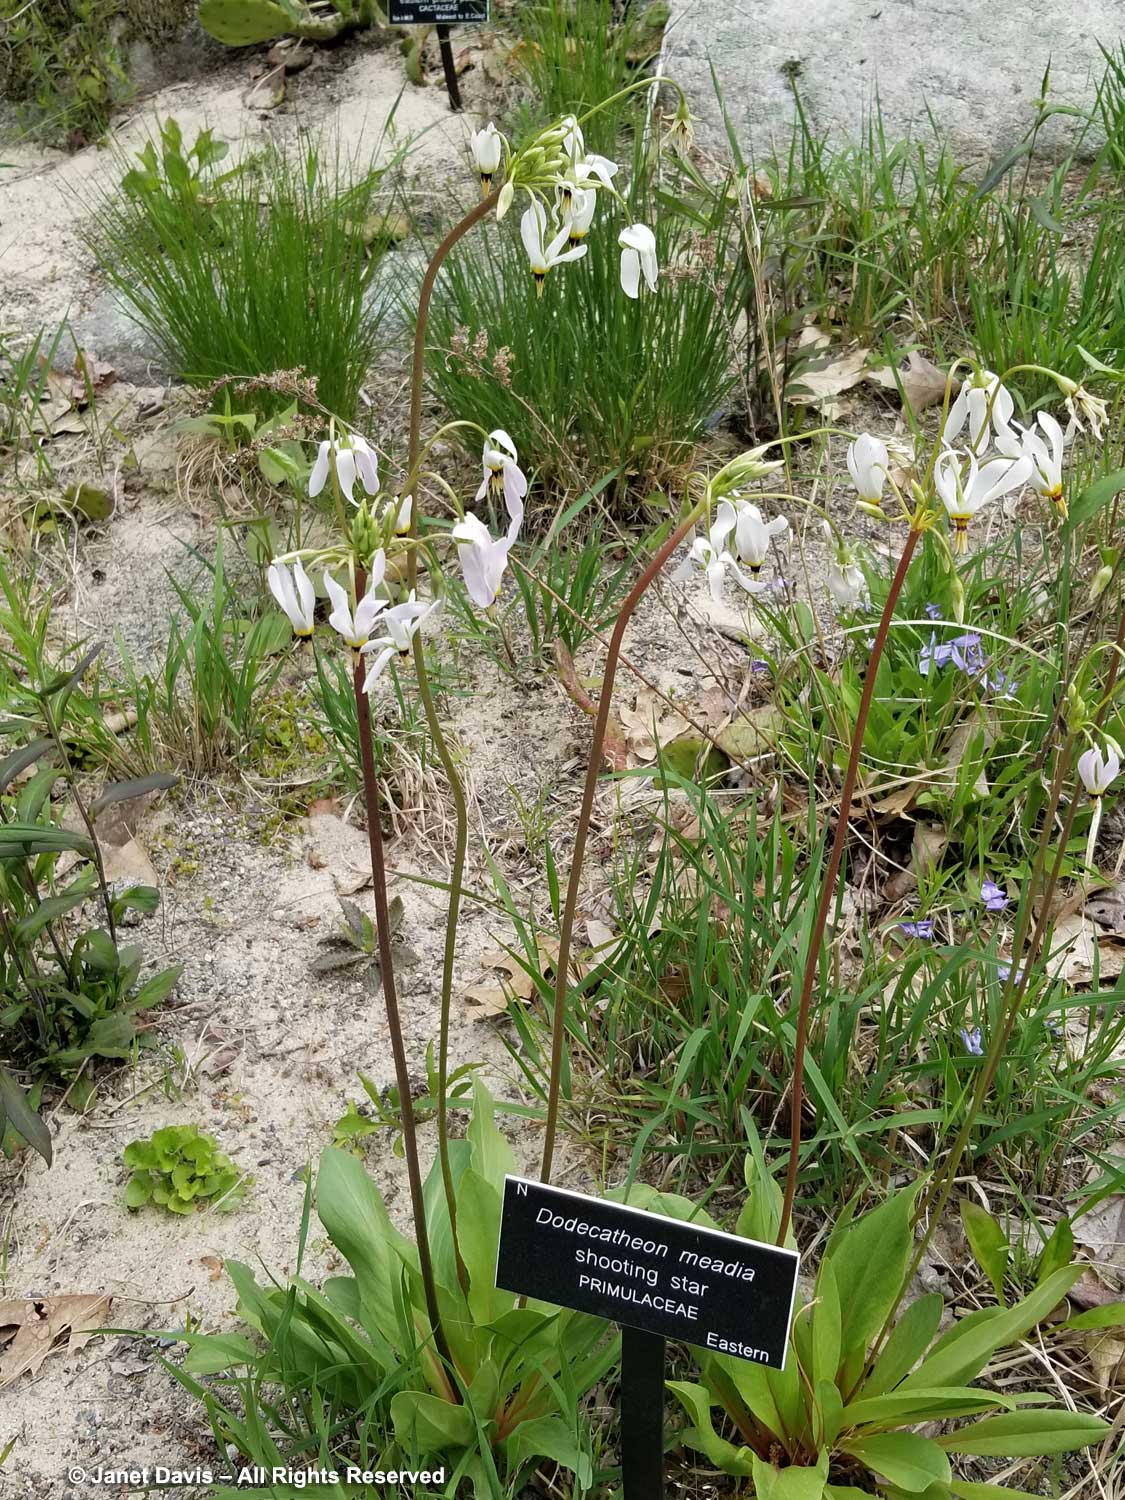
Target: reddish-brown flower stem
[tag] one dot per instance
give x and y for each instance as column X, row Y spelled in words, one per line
column 582, row 832
column 425, row 692
column 828, row 885
column 390, row 998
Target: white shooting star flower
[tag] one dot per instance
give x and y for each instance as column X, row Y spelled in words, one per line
column 638, row 255
column 1045, row 449
column 578, row 213
column 402, row 623
column 356, row 627
column 753, row 534
column 710, row 553
column 867, row 464
column 502, row 473
column 846, row 584
column 295, row 594
column 984, row 403
column 483, row 559
column 542, row 254
column 1099, row 771
column 486, row 147
column 964, row 493
column 354, row 458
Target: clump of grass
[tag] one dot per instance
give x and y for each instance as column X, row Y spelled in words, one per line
column 249, row 272
column 575, row 54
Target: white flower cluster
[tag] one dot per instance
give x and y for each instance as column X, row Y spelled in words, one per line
column 993, row 457
column 737, row 518
column 352, row 458
column 576, row 177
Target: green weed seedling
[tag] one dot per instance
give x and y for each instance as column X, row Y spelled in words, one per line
column 181, row 1169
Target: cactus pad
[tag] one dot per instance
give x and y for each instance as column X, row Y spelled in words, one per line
column 242, row 23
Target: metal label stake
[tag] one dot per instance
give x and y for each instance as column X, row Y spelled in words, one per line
column 642, row 1415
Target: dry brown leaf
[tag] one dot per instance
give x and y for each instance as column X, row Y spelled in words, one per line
column 214, row 1266
column 486, row 1000
column 924, row 383
column 826, row 375
column 650, row 724
column 1105, row 1349
column 1101, row 1232
column 31, row 1326
column 1075, row 945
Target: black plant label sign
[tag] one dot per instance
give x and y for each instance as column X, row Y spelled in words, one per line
column 682, row 1281
column 437, row 12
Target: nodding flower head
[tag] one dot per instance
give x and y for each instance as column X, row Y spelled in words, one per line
column 867, row 464
column 487, row 148
column 295, row 594
column 710, row 553
column 753, row 534
column 964, row 485
column 1098, row 771
column 578, row 213
column 638, row 257
column 401, row 623
column 352, row 458
column 502, row 473
column 544, row 254
column 1045, row 450
column 483, row 559
column 985, row 405
column 355, row 626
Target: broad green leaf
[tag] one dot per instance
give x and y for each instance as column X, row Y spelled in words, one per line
column 963, row 1352
column 869, row 1263
column 155, row 989
column 138, row 1190
column 1057, row 1252
column 427, row 1424
column 794, row 1483
column 1109, row 1315
column 968, row 1489
column 829, row 1416
column 988, row 1242
column 478, row 1236
column 906, row 1408
column 353, row 1213
column 903, row 1458
column 211, row 1354
column 549, row 1437
column 701, row 1436
column 17, row 840
column 18, row 1113
column 51, row 908
column 491, row 1155
column 826, row 1326
column 1026, row 1434
column 1092, row 498
column 908, row 1341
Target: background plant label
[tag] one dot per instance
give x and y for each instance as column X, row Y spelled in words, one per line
column 724, row 1293
column 436, row 12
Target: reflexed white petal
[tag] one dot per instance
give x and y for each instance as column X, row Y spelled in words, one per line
column 630, row 273
column 306, row 593
column 341, row 617
column 378, row 667
column 345, row 472
column 367, row 466
column 533, row 226
column 319, row 475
